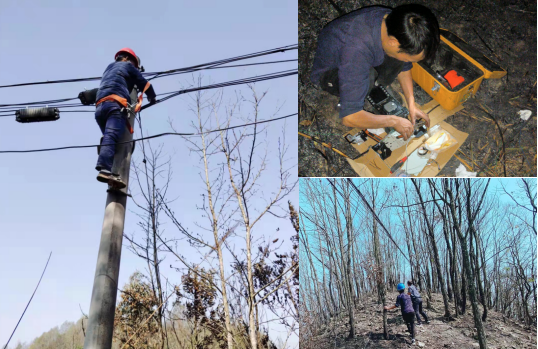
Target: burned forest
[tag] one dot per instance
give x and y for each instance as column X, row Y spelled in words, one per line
column 465, row 247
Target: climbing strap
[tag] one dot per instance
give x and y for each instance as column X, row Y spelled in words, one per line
column 125, row 105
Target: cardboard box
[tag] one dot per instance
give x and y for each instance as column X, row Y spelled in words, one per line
column 371, row 164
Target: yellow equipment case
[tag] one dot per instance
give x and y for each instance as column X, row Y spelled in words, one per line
column 454, row 54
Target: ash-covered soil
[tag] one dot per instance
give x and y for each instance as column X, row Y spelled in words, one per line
column 503, row 30
column 501, row 332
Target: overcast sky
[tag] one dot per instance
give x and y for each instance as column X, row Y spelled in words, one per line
column 51, row 201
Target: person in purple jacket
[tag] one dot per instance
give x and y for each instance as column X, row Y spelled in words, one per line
column 374, row 45
column 113, row 100
column 417, row 302
column 403, row 301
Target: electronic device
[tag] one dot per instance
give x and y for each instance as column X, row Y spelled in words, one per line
column 356, row 139
column 385, row 104
column 383, row 151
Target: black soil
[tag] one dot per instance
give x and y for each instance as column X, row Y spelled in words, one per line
column 501, row 332
column 499, row 141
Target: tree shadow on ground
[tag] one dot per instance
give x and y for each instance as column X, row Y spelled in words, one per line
column 395, row 320
column 377, row 336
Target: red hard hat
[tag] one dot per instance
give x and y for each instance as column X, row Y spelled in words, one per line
column 131, row 52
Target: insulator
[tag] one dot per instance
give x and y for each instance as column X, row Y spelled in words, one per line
column 37, row 114
column 88, row 97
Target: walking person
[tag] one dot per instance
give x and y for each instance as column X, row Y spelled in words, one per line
column 417, row 302
column 403, row 301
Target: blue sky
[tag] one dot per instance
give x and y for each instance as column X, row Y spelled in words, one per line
column 495, row 189
column 51, row 201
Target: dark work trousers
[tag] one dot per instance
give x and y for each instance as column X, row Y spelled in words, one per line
column 417, row 305
column 112, row 123
column 409, row 319
column 384, row 74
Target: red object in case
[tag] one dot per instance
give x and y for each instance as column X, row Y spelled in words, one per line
column 453, row 78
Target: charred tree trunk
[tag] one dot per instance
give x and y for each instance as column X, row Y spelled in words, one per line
column 379, row 269
column 433, row 244
column 466, row 257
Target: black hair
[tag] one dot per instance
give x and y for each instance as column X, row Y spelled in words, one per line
column 123, row 55
column 409, row 283
column 401, row 291
column 416, row 29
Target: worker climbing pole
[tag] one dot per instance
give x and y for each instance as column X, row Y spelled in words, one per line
column 115, row 115
column 113, row 104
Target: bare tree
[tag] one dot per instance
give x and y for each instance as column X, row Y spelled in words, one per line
column 456, row 238
column 243, row 174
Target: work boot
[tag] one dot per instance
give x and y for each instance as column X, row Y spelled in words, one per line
column 113, row 180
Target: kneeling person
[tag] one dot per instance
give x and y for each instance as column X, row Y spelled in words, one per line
column 375, row 45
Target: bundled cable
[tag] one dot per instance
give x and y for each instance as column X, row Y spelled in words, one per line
column 88, row 95
column 149, row 137
column 226, row 84
column 154, row 75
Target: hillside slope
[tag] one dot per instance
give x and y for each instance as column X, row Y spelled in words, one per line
column 501, row 332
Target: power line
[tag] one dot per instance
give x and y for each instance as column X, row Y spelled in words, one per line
column 218, row 67
column 226, row 84
column 224, row 61
column 376, row 217
column 51, row 102
column 170, row 72
column 42, row 102
column 373, row 213
column 223, row 84
column 78, row 111
column 248, row 80
column 12, row 333
column 145, row 138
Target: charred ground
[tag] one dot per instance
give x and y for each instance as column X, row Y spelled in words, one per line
column 501, row 332
column 499, row 141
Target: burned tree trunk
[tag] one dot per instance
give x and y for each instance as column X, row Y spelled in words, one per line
column 379, row 268
column 435, row 251
column 466, row 257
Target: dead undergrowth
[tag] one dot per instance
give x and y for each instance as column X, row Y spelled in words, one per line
column 502, row 333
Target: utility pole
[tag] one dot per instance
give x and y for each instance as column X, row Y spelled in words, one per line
column 105, row 284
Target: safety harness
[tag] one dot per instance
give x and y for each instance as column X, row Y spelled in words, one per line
column 125, row 105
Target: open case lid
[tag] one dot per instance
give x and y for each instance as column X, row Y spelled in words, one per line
column 491, row 69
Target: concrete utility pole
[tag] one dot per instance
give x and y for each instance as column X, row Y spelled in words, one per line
column 105, row 284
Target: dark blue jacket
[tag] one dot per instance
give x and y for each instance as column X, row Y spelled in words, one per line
column 403, row 301
column 352, row 43
column 119, row 78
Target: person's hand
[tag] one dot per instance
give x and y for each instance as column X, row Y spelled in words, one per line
column 386, row 307
column 403, row 126
column 416, row 113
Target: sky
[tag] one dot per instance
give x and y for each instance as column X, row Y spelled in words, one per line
column 51, row 201
column 495, row 188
